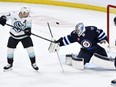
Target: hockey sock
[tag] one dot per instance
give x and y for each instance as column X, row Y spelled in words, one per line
column 10, row 60
column 32, row 60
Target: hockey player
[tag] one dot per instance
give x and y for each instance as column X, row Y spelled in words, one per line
column 20, row 33
column 115, row 21
column 113, row 82
column 88, row 37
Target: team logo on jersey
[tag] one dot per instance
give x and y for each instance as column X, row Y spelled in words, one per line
column 86, row 43
column 18, row 26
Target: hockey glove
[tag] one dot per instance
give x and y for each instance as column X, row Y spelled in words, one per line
column 3, row 20
column 53, row 47
column 103, row 42
column 57, row 42
column 27, row 31
column 105, row 45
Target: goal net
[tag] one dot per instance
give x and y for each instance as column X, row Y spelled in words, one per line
column 111, row 28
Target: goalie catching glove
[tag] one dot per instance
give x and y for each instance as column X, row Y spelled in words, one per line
column 54, row 46
column 105, row 45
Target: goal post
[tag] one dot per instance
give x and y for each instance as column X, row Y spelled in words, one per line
column 111, row 28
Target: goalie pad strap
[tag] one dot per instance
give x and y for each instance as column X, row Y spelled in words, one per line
column 78, row 59
column 72, row 59
column 68, row 55
column 68, row 59
column 104, row 57
column 77, row 63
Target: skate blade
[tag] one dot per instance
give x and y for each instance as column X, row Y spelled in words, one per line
column 36, row 70
column 6, row 70
column 113, row 85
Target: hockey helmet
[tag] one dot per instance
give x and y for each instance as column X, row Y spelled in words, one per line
column 79, row 28
column 25, row 9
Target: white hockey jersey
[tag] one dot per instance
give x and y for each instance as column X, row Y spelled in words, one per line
column 20, row 23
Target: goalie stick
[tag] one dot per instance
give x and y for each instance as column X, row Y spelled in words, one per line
column 32, row 34
column 56, row 50
column 104, row 57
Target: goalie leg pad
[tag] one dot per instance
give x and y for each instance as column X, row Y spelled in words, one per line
column 77, row 63
column 68, row 59
column 101, row 62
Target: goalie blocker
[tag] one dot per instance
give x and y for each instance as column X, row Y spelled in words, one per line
column 99, row 60
column 53, row 47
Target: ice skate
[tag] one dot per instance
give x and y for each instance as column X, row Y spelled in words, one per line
column 8, row 67
column 113, row 82
column 35, row 67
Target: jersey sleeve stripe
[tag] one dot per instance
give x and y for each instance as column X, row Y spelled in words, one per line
column 102, row 36
column 66, row 41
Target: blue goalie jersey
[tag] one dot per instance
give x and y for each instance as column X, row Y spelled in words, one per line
column 88, row 40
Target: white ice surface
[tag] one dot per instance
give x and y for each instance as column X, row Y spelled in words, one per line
column 50, row 73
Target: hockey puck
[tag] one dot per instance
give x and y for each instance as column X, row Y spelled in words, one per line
column 57, row 23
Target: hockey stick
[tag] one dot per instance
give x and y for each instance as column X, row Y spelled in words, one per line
column 32, row 34
column 11, row 26
column 42, row 37
column 56, row 50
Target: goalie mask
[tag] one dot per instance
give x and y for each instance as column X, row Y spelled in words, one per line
column 79, row 28
column 24, row 11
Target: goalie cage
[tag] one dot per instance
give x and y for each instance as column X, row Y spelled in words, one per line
column 111, row 28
